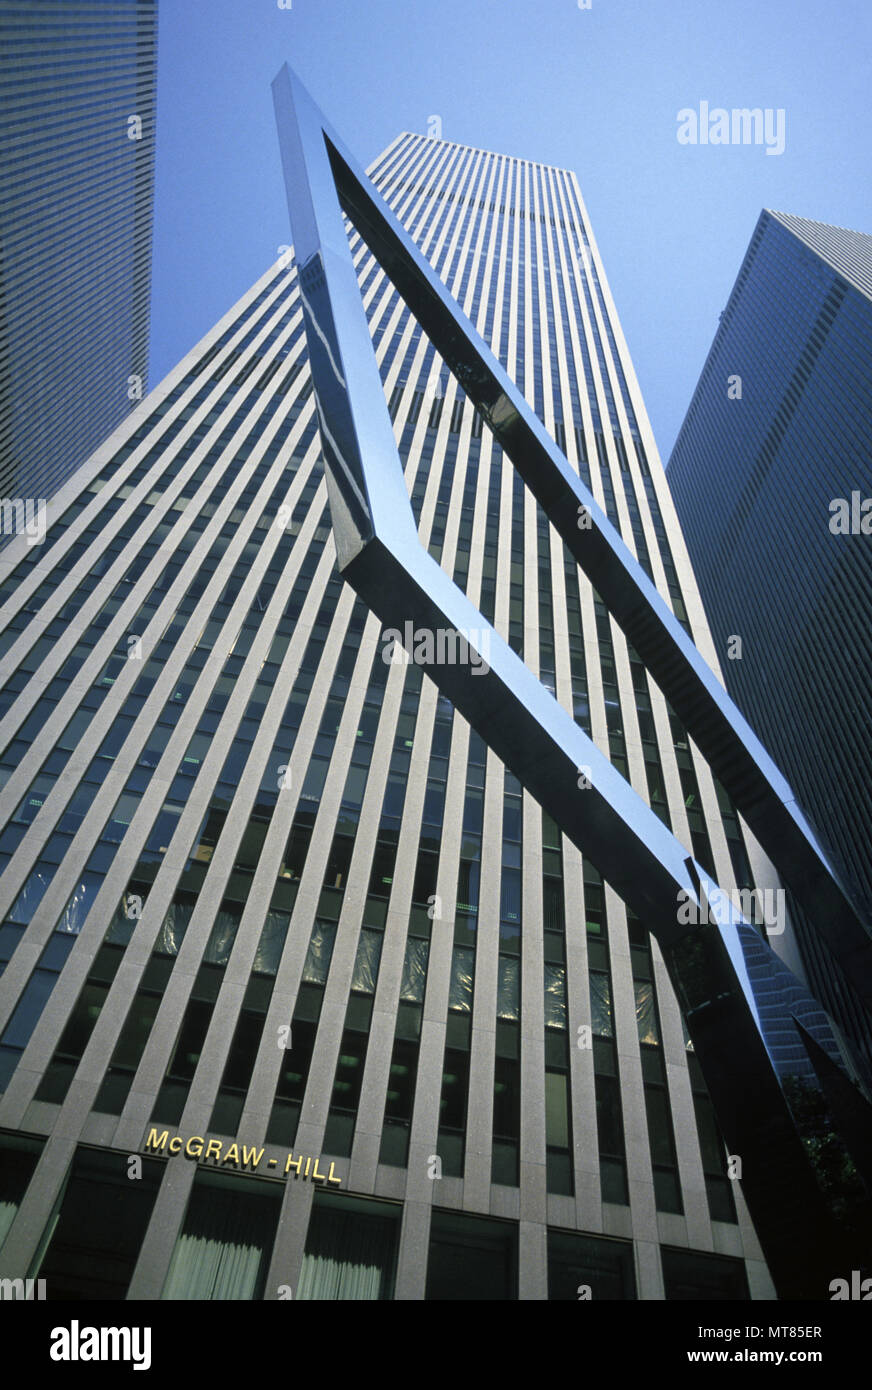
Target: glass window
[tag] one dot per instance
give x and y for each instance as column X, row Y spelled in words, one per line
column 97, row 1230
column 581, row 1266
column 555, row 996
column 471, row 1258
column 351, row 1249
column 320, row 952
column 30, row 896
column 19, row 1155
column 271, row 944
column 557, row 1109
column 367, row 961
column 601, row 1004
column 226, row 1241
column 689, row 1276
column 509, row 988
column 414, row 970
column 223, row 933
column 29, row 1008
column 646, row 1012
column 73, row 918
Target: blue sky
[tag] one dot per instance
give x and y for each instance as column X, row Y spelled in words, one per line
column 596, row 90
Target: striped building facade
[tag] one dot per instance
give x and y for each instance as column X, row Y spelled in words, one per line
column 772, row 479
column 302, row 995
column 78, row 97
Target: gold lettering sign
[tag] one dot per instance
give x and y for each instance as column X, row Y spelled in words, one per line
column 240, row 1156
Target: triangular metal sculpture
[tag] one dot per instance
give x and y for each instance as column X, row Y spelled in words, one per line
column 713, row 966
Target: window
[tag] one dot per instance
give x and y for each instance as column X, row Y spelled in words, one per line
column 351, row 1249
column 577, row 1263
column 693, row 1277
column 471, row 1258
column 98, row 1226
column 19, row 1155
column 226, row 1241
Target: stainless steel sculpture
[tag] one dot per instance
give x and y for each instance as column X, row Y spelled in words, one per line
column 720, row 969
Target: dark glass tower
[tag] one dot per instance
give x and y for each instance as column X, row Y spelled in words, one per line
column 77, row 109
column 772, row 480
column 273, row 919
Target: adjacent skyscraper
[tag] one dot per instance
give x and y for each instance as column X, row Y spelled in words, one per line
column 273, row 917
column 772, row 480
column 77, row 89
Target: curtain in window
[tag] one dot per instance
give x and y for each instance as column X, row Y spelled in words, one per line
column 367, row 962
column 224, row 1247
column 646, row 1012
column 460, row 990
column 319, row 953
column 509, row 987
column 348, row 1256
column 172, row 932
column 223, row 935
column 271, row 944
column 29, row 898
column 7, row 1216
column 121, row 927
column 555, row 995
column 415, row 970
column 602, row 1024
column 205, row 1269
column 73, row 916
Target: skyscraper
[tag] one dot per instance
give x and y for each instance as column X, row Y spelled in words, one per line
column 293, row 966
column 772, row 476
column 77, row 89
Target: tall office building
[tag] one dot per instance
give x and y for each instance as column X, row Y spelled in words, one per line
column 77, row 111
column 772, row 479
column 303, row 995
